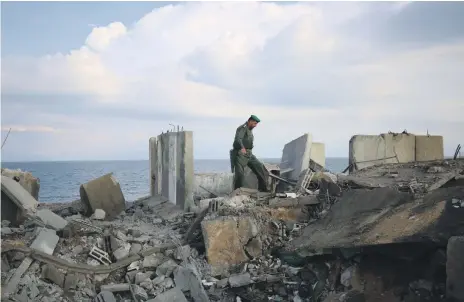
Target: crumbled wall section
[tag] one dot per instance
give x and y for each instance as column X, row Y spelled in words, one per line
column 429, row 147
column 369, row 150
column 295, row 156
column 171, row 167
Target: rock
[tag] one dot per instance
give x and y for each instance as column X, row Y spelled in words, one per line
column 139, row 292
column 114, row 288
column 222, row 283
column 172, row 295
column 17, row 203
column 254, row 248
column 166, row 268
column 240, row 280
column 135, row 248
column 182, row 252
column 436, row 169
column 121, row 253
column 135, row 233
column 168, row 283
column 152, row 261
column 71, row 281
column 5, row 223
column 121, row 236
column 99, row 214
column 158, row 280
column 51, row 273
column 455, row 268
column 30, row 183
column 187, row 279
column 141, row 277
column 224, row 239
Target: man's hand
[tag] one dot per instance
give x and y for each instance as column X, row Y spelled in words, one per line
column 243, row 150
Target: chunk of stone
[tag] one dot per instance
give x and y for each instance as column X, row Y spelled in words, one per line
column 121, row 253
column 254, row 247
column 46, row 241
column 139, row 292
column 51, row 219
column 455, row 268
column 105, row 296
column 135, row 248
column 135, row 233
column 172, row 295
column 225, row 238
column 70, row 282
column 50, row 272
column 187, row 279
column 140, row 277
column 115, row 288
column 168, row 283
column 17, row 202
column 182, row 252
column 240, row 280
column 99, row 214
column 103, row 193
column 158, row 280
column 153, row 261
column 166, row 268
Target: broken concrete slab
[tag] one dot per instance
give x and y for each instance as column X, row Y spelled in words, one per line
column 381, row 216
column 239, row 280
column 105, row 296
column 45, row 241
column 51, row 219
column 30, row 183
column 455, row 268
column 17, row 203
column 172, row 295
column 50, row 272
column 187, row 279
column 103, row 193
column 295, row 156
column 225, row 238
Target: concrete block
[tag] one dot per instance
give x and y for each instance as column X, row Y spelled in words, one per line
column 50, row 272
column 105, row 296
column 51, row 219
column 219, row 183
column 172, row 295
column 429, row 147
column 455, row 268
column 171, row 167
column 369, row 150
column 225, row 238
column 46, row 241
column 19, row 196
column 187, row 280
column 318, row 153
column 103, row 193
column 295, row 156
column 30, row 183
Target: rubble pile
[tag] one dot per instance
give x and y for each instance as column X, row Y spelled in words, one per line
column 389, row 233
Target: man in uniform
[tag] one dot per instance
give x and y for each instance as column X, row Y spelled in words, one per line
column 242, row 156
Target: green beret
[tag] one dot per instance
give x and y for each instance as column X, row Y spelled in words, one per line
column 255, row 118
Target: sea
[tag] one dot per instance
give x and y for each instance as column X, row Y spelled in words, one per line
column 60, row 180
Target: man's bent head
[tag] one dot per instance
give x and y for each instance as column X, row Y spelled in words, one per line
column 253, row 122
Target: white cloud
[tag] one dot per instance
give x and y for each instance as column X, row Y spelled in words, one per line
column 293, row 65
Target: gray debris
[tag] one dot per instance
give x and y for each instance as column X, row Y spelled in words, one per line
column 139, row 292
column 153, row 261
column 46, row 241
column 182, row 252
column 105, row 296
column 141, row 277
column 99, row 214
column 172, row 295
column 166, row 268
column 240, row 280
column 51, row 273
column 121, row 253
column 114, row 288
column 51, row 219
column 187, row 280
column 135, row 248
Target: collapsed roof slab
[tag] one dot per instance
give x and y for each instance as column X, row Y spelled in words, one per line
column 383, row 216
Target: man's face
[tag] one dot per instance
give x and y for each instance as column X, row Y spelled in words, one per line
column 252, row 124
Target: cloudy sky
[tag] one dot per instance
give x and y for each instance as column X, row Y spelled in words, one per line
column 95, row 80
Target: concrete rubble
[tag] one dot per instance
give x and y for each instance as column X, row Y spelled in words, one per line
column 392, row 232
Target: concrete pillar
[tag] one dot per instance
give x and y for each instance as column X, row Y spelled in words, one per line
column 171, row 167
